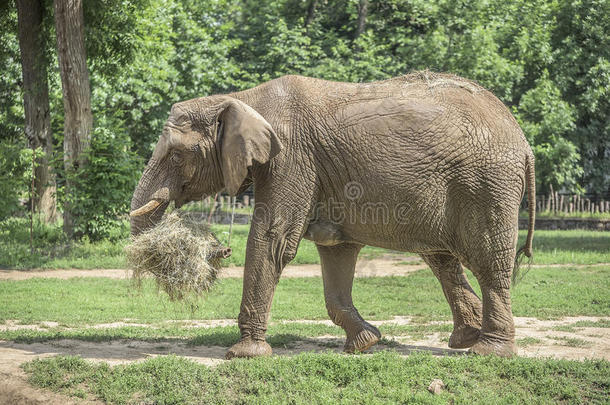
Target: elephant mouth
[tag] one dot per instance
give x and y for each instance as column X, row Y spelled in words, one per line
column 157, row 199
column 180, row 202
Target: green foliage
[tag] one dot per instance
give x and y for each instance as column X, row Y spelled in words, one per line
column 581, row 52
column 103, row 187
column 11, row 103
column 51, row 249
column 546, row 120
column 15, row 175
column 548, row 60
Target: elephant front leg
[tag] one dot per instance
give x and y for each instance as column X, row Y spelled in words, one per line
column 266, row 255
column 338, row 265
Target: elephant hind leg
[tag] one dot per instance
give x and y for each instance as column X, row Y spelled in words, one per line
column 338, row 265
column 492, row 261
column 465, row 305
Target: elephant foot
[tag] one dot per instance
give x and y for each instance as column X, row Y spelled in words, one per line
column 463, row 337
column 249, row 348
column 501, row 348
column 363, row 340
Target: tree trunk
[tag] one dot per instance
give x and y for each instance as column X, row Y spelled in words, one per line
column 78, row 119
column 311, row 12
column 36, row 103
column 363, row 11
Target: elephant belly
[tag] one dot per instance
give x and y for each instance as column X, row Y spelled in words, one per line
column 327, row 233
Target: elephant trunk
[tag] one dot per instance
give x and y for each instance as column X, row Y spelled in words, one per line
column 149, row 202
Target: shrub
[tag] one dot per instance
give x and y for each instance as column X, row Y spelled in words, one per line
column 15, row 176
column 102, row 189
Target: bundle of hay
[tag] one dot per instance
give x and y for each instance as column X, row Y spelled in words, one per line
column 182, row 254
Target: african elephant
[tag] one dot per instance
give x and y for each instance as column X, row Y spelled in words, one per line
column 427, row 163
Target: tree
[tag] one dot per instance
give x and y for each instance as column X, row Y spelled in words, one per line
column 363, row 11
column 78, row 118
column 36, row 102
column 311, row 12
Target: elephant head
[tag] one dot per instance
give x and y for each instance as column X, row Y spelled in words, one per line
column 207, row 145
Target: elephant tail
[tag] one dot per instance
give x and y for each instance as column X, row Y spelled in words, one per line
column 526, row 250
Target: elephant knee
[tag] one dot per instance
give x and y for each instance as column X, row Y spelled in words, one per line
column 282, row 252
column 288, row 256
column 283, row 249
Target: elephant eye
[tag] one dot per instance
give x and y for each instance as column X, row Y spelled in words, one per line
column 175, row 157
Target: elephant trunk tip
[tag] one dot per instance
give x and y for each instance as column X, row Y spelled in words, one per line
column 222, row 253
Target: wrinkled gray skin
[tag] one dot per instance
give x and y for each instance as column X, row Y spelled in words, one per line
column 425, row 163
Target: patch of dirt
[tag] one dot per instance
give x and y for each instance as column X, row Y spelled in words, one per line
column 122, row 351
column 63, row 274
column 14, row 388
column 388, row 265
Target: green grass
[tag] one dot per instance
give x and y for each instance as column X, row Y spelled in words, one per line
column 576, row 246
column 543, row 293
column 51, row 251
column 565, row 328
column 278, row 335
column 383, row 377
column 578, row 325
column 570, row 341
column 602, row 323
column 526, row 341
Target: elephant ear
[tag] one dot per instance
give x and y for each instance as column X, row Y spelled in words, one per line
column 245, row 137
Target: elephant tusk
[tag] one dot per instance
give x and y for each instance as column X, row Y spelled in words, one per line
column 145, row 209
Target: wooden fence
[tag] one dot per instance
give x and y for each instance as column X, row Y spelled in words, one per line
column 552, row 202
column 569, row 203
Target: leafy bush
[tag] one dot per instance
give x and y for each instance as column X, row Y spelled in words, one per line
column 15, row 176
column 546, row 120
column 102, row 189
column 15, row 241
column 52, row 249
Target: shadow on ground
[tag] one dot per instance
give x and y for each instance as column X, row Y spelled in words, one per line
column 125, row 351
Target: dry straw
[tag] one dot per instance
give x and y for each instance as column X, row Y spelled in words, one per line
column 182, row 254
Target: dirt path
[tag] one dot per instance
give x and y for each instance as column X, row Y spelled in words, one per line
column 379, row 267
column 561, row 338
column 385, row 266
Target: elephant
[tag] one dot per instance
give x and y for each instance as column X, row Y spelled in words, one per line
column 429, row 163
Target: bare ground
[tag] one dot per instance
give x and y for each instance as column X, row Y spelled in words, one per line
column 389, row 265
column 537, row 338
